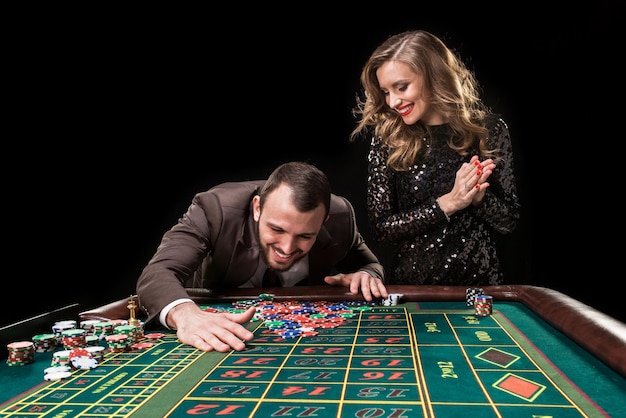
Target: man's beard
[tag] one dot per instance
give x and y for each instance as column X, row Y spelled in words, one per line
column 265, row 249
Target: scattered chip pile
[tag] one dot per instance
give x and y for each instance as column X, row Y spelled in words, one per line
column 297, row 319
column 79, row 346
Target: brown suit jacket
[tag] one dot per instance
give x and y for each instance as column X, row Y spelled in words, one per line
column 215, row 245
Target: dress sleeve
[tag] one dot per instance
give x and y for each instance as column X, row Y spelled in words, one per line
column 501, row 206
column 387, row 221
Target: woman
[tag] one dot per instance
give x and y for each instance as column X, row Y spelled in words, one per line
column 441, row 184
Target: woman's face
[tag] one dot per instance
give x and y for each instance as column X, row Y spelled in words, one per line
column 404, row 93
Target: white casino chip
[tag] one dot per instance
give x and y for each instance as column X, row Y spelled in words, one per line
column 56, row 376
column 84, row 362
column 56, row 369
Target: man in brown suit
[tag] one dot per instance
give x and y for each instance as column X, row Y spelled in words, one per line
column 232, row 235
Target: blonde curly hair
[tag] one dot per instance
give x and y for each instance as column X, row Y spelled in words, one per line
column 452, row 91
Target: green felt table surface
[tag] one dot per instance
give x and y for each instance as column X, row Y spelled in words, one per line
column 573, row 370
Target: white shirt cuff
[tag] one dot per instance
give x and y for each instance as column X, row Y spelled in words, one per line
column 168, row 308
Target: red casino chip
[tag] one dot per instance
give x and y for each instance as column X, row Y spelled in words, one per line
column 116, row 338
column 79, row 352
column 141, row 346
column 20, row 345
column 154, row 336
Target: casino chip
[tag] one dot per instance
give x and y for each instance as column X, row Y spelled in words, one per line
column 56, row 369
column 56, row 376
column 79, row 352
column 81, row 358
column 141, row 346
column 57, row 373
column 154, row 336
column 84, row 362
column 97, row 352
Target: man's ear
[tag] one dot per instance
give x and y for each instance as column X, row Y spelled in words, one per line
column 256, row 207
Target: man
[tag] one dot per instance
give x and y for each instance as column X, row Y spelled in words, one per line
column 290, row 225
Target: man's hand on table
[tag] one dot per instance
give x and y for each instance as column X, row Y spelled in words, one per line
column 210, row 331
column 371, row 287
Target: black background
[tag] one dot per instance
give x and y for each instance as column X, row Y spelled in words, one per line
column 118, row 117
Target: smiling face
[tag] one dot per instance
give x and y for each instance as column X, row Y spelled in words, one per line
column 404, row 92
column 285, row 234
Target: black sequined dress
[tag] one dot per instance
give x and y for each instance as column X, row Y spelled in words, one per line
column 429, row 249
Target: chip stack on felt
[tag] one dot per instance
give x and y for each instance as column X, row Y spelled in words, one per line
column 471, row 293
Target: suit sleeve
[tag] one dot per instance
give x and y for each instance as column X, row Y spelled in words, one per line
column 359, row 256
column 175, row 261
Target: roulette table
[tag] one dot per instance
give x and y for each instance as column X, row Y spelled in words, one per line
column 536, row 353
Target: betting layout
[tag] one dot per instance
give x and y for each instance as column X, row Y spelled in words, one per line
column 386, row 362
column 368, row 361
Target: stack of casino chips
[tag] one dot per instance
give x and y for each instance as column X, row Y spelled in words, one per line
column 483, row 305
column 147, row 341
column 45, row 342
column 72, row 338
column 77, row 358
column 118, row 322
column 60, row 358
column 103, row 328
column 88, row 325
column 125, row 337
column 470, row 295
column 97, row 352
column 92, row 340
column 57, row 373
column 60, row 326
column 20, row 353
column 118, row 343
column 134, row 333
